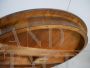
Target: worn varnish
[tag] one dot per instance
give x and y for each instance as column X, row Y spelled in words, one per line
column 40, row 37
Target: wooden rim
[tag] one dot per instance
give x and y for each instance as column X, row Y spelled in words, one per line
column 24, row 21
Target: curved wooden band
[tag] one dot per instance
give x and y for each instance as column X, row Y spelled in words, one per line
column 78, row 30
column 24, row 15
column 42, row 52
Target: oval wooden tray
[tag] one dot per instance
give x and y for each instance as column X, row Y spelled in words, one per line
column 48, row 36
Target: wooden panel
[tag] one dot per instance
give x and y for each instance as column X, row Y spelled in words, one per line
column 48, row 36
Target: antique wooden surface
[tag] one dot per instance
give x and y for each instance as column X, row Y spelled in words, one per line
column 48, row 36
